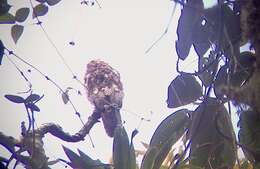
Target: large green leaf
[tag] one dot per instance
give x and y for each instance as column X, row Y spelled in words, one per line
column 183, row 90
column 166, row 134
column 7, row 19
column 149, row 158
column 212, row 136
column 249, row 135
column 122, row 151
column 21, row 14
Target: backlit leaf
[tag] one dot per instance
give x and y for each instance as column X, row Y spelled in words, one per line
column 7, row 19
column 183, row 90
column 149, row 158
column 21, row 14
column 16, row 32
column 14, row 98
column 167, row 133
column 40, row 10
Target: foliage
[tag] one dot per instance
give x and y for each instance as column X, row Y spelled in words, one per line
column 224, row 76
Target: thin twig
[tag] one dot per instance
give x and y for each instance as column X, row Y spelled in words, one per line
column 165, row 31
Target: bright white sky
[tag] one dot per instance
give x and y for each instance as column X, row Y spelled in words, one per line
column 119, row 34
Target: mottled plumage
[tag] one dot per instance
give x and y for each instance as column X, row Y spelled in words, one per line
column 105, row 91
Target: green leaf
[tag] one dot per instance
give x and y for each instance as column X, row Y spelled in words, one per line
column 16, row 32
column 132, row 157
column 40, row 10
column 121, row 149
column 32, row 98
column 183, row 90
column 21, row 14
column 52, row 2
column 167, row 133
column 212, row 136
column 249, row 135
column 7, row 19
column 89, row 162
column 149, row 158
column 2, row 48
column 76, row 161
column 14, row 98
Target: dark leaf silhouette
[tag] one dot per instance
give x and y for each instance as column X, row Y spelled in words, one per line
column 52, row 2
column 89, row 162
column 7, row 19
column 75, row 159
column 186, row 24
column 4, row 7
column 33, row 107
column 16, row 32
column 65, row 97
column 41, row 1
column 2, row 48
column 134, row 133
column 31, row 98
column 40, row 10
column 249, row 135
column 14, row 98
column 166, row 134
column 220, row 82
column 243, row 69
column 183, row 90
column 21, row 14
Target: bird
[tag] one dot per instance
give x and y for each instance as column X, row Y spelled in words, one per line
column 104, row 90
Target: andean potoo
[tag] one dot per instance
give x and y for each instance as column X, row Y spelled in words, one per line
column 105, row 91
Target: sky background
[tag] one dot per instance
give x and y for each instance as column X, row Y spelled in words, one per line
column 119, row 34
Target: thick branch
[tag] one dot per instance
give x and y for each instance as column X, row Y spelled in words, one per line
column 58, row 132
